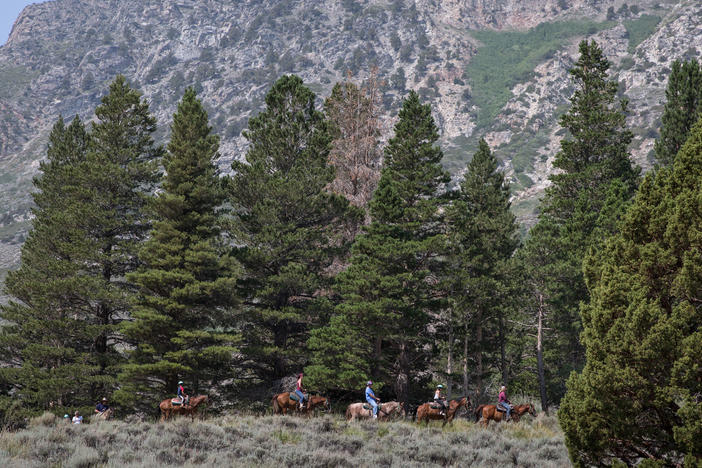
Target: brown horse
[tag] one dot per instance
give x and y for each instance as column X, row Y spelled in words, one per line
column 282, row 403
column 488, row 412
column 425, row 412
column 168, row 409
column 385, row 410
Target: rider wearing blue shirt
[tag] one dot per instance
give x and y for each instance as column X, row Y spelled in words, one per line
column 372, row 399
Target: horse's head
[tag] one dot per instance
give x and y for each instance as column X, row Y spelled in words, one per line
column 532, row 411
column 198, row 400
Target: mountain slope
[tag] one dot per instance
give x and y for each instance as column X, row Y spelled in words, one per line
column 61, row 55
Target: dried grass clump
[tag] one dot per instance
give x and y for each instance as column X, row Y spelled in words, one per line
column 325, row 441
column 45, row 419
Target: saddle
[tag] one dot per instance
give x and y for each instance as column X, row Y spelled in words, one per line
column 295, row 397
column 176, row 402
column 500, row 409
column 433, row 405
column 367, row 406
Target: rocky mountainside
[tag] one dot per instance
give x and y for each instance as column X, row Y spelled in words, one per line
column 493, row 68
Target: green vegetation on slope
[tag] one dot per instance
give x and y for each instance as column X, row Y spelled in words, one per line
column 507, row 58
column 640, row 29
column 283, row 441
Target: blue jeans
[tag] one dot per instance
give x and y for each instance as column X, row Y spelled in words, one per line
column 301, row 395
column 374, row 404
column 507, row 408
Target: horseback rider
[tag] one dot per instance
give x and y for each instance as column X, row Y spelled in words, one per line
column 440, row 399
column 181, row 393
column 299, row 391
column 102, row 406
column 372, row 399
column 504, row 402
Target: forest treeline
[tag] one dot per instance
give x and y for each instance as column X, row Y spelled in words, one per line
column 330, row 253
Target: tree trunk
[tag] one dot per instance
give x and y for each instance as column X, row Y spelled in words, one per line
column 540, row 356
column 376, row 355
column 402, row 380
column 479, row 355
column 465, row 363
column 280, row 338
column 449, row 359
column 503, row 358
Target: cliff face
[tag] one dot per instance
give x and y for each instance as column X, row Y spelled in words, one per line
column 62, row 54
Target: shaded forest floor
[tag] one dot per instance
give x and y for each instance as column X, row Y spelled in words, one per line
column 262, row 441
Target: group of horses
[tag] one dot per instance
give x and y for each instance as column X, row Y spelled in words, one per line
column 282, row 403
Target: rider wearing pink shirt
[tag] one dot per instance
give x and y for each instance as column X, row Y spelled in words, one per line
column 504, row 402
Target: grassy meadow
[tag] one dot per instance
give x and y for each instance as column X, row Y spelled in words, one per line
column 263, row 441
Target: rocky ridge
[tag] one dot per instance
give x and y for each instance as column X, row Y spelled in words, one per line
column 62, row 54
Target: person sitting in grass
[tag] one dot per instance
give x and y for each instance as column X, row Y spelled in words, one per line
column 372, row 399
column 77, row 418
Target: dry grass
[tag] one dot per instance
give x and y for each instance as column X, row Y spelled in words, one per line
column 262, row 441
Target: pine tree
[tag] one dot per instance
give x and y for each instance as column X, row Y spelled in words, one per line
column 180, row 328
column 595, row 175
column 48, row 341
column 355, row 127
column 290, row 227
column 638, row 395
column 116, row 180
column 682, row 109
column 482, row 232
column 388, row 289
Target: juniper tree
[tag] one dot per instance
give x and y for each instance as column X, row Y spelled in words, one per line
column 290, row 227
column 682, row 109
column 47, row 342
column 594, row 172
column 482, row 232
column 388, row 289
column 638, row 395
column 181, row 325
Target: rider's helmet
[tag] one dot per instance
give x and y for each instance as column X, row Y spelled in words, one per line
column 369, row 383
column 66, row 416
column 180, row 382
column 104, row 399
column 503, row 388
column 439, row 386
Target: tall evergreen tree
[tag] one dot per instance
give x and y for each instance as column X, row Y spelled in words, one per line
column 93, row 203
column 682, row 109
column 180, row 328
column 482, row 232
column 388, row 290
column 595, row 173
column 49, row 337
column 638, row 395
column 117, row 178
column 290, row 227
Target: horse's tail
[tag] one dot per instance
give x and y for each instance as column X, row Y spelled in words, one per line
column 478, row 412
column 348, row 412
column 276, row 405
